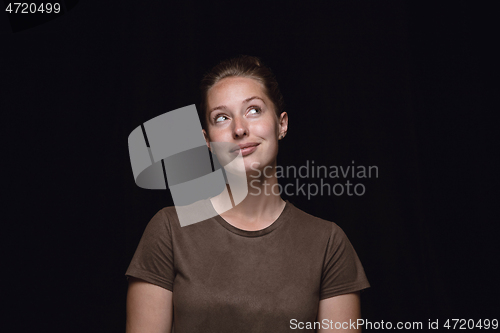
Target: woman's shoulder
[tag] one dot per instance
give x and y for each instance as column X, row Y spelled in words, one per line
column 160, row 219
column 168, row 211
column 314, row 222
column 181, row 216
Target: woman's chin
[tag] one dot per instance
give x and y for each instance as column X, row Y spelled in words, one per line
column 257, row 170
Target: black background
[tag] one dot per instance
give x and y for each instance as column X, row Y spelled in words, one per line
column 400, row 85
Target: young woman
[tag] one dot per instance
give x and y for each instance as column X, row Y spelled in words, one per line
column 262, row 266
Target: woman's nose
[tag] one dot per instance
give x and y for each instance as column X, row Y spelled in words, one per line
column 240, row 128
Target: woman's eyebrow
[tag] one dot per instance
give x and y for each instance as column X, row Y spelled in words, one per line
column 253, row 97
column 221, row 107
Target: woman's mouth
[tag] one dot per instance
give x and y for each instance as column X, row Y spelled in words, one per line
column 246, row 149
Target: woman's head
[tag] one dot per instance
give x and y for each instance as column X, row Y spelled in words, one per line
column 241, row 66
column 241, row 104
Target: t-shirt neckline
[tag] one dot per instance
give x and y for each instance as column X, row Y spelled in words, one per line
column 254, row 233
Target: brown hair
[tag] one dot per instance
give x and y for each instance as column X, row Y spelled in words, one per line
column 242, row 66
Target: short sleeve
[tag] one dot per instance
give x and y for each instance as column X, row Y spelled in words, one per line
column 342, row 269
column 153, row 260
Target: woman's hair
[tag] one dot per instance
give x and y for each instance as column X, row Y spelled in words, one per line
column 241, row 66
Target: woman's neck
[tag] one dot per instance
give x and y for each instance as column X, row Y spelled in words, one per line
column 260, row 208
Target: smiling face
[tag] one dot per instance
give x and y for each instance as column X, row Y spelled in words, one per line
column 239, row 112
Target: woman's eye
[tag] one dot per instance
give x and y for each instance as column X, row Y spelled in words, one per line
column 219, row 118
column 257, row 110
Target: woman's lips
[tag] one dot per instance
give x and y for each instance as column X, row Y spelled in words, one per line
column 246, row 151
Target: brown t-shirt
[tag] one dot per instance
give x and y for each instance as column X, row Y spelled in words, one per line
column 225, row 279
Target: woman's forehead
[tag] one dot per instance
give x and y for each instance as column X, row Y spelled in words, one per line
column 234, row 89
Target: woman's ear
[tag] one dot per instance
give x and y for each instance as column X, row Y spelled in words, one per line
column 207, row 140
column 283, row 125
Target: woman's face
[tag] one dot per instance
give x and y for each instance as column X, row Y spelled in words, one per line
column 239, row 112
